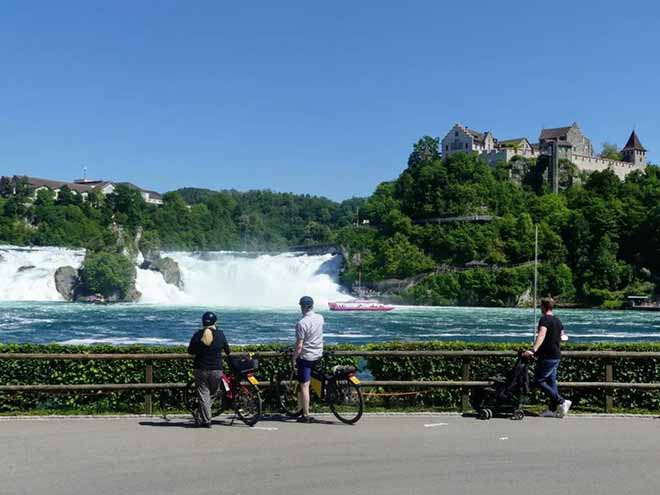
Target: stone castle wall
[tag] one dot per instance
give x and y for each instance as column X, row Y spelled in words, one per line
column 506, row 154
column 595, row 163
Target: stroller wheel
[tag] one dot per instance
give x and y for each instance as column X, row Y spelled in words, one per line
column 485, row 414
column 518, row 415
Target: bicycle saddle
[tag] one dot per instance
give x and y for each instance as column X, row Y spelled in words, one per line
column 343, row 370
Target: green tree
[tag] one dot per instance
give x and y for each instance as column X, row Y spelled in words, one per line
column 424, row 151
column 568, row 174
column 67, row 197
column 611, row 151
column 399, row 258
column 556, row 280
column 21, row 188
column 108, row 273
column 317, row 233
column 6, row 187
column 128, row 206
column 45, row 198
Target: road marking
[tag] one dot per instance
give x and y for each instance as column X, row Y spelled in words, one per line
column 433, row 425
column 504, row 438
column 266, row 428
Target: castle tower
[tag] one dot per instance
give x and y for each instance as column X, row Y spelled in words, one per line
column 633, row 152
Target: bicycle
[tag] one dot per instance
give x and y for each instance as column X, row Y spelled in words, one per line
column 340, row 390
column 238, row 391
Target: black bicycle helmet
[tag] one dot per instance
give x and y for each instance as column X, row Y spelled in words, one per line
column 209, row 319
column 306, row 302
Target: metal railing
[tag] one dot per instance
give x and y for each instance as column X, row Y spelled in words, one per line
column 608, row 384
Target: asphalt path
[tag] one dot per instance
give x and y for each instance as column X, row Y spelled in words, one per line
column 379, row 455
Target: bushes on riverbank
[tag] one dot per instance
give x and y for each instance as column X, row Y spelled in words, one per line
column 479, row 287
column 108, row 273
column 381, row 368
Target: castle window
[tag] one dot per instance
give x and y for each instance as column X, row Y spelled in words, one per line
column 455, row 133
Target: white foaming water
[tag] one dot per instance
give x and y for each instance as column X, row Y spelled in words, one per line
column 28, row 274
column 155, row 290
column 232, row 279
column 225, row 279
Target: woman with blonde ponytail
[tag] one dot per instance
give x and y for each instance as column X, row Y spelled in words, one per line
column 207, row 345
column 207, row 335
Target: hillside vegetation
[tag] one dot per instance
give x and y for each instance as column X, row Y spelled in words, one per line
column 599, row 238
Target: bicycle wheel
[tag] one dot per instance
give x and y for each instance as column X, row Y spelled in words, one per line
column 345, row 400
column 287, row 394
column 247, row 403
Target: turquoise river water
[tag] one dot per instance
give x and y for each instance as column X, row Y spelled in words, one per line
column 58, row 322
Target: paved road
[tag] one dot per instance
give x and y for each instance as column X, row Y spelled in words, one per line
column 380, row 455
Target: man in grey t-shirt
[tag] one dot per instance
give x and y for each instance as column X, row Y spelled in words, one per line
column 308, row 351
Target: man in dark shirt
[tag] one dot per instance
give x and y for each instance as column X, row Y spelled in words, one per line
column 207, row 345
column 547, row 351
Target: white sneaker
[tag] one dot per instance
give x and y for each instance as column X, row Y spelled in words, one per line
column 548, row 414
column 563, row 408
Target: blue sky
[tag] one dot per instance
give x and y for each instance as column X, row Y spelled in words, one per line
column 323, row 98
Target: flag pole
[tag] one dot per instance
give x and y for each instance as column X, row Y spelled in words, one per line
column 536, row 269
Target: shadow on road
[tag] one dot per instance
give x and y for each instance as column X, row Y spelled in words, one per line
column 169, row 423
column 186, row 423
column 473, row 415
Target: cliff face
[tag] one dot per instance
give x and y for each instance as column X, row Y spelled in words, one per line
column 66, row 282
column 167, row 267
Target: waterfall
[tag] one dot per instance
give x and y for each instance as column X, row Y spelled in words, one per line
column 28, row 274
column 214, row 279
column 247, row 280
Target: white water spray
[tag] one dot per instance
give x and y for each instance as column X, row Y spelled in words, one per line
column 220, row 279
column 231, row 279
column 28, row 274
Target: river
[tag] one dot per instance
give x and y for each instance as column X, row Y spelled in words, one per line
column 255, row 296
column 59, row 322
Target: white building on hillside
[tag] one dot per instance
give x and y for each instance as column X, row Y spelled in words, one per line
column 462, row 138
column 84, row 186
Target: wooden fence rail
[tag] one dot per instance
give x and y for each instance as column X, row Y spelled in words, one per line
column 467, row 354
column 465, row 383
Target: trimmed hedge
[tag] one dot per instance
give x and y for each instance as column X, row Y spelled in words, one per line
column 570, row 370
column 381, row 368
column 24, row 372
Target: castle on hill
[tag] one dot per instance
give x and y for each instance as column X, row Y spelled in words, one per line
column 567, row 143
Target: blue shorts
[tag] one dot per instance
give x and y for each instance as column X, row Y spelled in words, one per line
column 305, row 369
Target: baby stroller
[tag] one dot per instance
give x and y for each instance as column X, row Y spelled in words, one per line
column 506, row 396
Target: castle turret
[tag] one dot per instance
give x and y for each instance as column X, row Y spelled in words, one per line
column 633, row 152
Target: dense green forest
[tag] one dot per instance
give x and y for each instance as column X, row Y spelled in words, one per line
column 599, row 238
column 189, row 219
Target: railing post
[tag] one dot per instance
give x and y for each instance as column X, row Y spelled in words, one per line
column 465, row 397
column 148, row 378
column 609, row 377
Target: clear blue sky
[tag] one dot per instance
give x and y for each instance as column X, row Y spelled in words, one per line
column 310, row 97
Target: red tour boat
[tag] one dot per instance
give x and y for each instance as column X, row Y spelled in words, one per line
column 359, row 305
